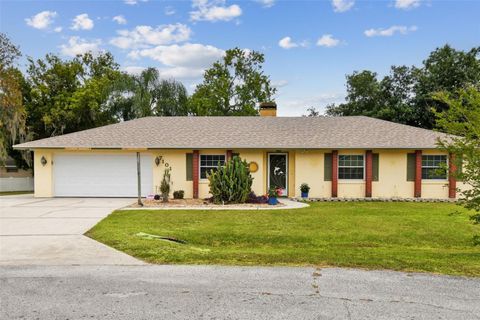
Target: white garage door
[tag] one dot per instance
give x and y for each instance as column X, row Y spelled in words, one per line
column 101, row 175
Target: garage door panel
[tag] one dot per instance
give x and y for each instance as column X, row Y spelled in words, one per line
column 101, row 175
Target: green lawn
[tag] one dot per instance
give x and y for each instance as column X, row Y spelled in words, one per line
column 374, row 235
column 12, row 193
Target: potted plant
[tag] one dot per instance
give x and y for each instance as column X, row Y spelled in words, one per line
column 304, row 188
column 273, row 194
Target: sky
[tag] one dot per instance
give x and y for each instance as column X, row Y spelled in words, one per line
column 309, row 46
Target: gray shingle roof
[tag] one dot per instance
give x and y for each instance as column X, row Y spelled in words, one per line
column 247, row 132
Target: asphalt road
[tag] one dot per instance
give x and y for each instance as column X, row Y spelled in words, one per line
column 206, row 292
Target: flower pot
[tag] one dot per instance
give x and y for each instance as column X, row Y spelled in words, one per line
column 304, row 194
column 272, row 201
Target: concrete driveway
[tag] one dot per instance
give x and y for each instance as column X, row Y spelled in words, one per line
column 49, row 231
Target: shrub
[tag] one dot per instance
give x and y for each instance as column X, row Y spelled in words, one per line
column 253, row 198
column 165, row 185
column 156, row 197
column 231, row 183
column 178, row 194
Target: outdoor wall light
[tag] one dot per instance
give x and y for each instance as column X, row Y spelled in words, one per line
column 43, row 161
column 157, row 161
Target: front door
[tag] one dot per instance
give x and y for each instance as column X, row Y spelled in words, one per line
column 277, row 172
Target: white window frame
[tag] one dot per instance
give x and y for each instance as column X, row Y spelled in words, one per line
column 200, row 163
column 338, row 169
column 446, row 173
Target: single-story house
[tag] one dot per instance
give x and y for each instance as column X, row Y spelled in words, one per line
column 337, row 156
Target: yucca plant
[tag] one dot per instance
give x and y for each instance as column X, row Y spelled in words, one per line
column 231, row 183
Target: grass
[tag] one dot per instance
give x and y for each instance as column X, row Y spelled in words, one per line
column 12, row 193
column 425, row 237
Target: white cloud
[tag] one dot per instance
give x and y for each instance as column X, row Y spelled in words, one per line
column 82, row 22
column 187, row 61
column 267, row 3
column 77, row 45
column 406, row 4
column 342, row 5
column 133, row 2
column 214, row 10
column 191, row 55
column 120, row 19
column 41, row 20
column 388, row 32
column 143, row 36
column 287, row 43
column 169, row 11
column 297, row 106
column 169, row 73
column 327, row 40
column 135, row 70
column 58, row 29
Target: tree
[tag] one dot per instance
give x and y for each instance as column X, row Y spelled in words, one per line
column 172, row 99
column 143, row 95
column 312, row 112
column 462, row 119
column 363, row 96
column 445, row 70
column 12, row 111
column 71, row 95
column 233, row 86
column 406, row 94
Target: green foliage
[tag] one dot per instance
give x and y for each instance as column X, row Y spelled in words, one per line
column 144, row 95
column 304, row 187
column 231, row 183
column 233, row 86
column 406, row 95
column 12, row 109
column 165, row 184
column 69, row 95
column 274, row 192
column 462, row 119
column 179, row 194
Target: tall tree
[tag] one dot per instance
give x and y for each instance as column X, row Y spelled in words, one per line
column 146, row 94
column 12, row 111
column 462, row 120
column 445, row 70
column 233, row 86
column 406, row 94
column 69, row 95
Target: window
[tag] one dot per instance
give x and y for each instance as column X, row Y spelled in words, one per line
column 350, row 167
column 434, row 167
column 210, row 162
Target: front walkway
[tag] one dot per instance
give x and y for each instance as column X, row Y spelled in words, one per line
column 49, row 231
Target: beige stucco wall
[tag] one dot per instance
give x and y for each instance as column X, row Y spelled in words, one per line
column 258, row 185
column 309, row 166
column 305, row 166
column 392, row 175
column 43, row 175
column 176, row 160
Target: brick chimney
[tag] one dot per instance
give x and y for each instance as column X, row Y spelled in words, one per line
column 268, row 109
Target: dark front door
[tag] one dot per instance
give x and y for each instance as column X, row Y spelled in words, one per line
column 277, row 172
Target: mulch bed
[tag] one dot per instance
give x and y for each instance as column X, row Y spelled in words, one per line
column 179, row 203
